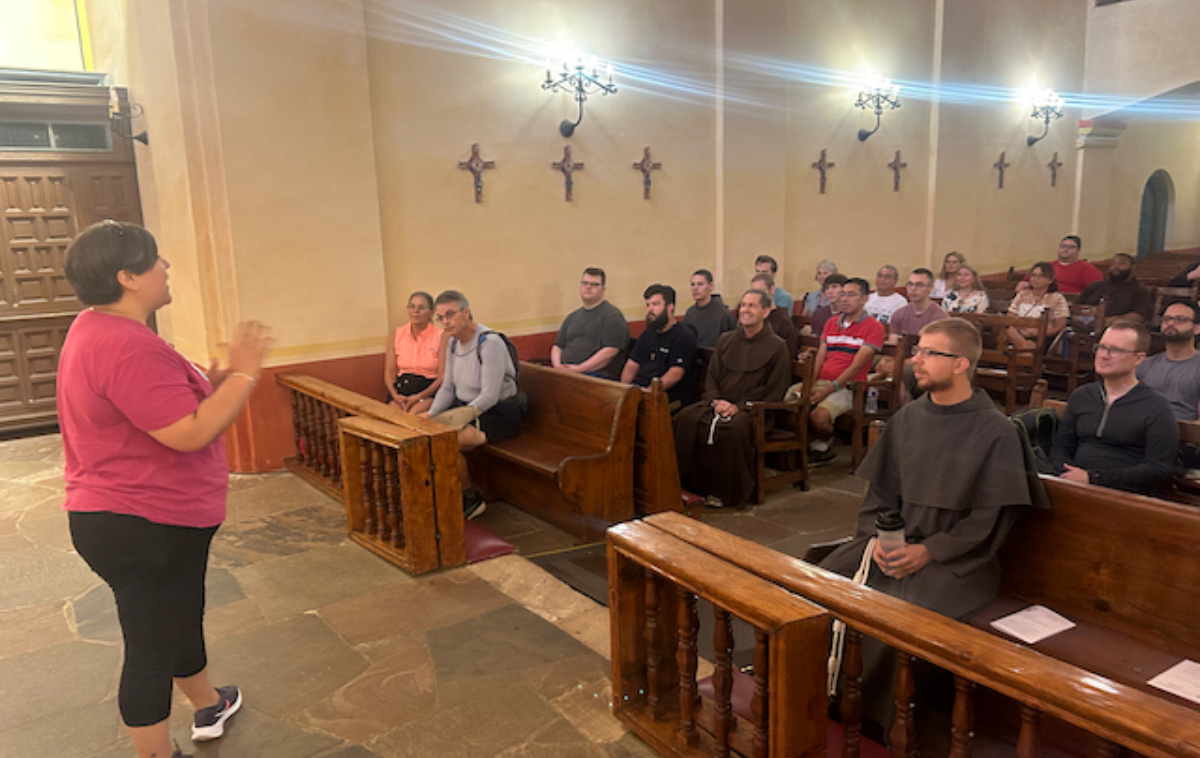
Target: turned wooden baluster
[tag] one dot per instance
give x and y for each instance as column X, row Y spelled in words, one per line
column 1106, row 749
column 318, row 428
column 335, row 447
column 852, row 706
column 368, row 503
column 313, row 447
column 335, row 439
column 760, row 704
column 723, row 681
column 962, row 720
column 904, row 728
column 393, row 497
column 1029, row 741
column 653, row 646
column 685, row 658
column 381, row 504
column 297, row 431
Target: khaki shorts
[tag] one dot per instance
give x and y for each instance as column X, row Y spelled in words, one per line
column 838, row 403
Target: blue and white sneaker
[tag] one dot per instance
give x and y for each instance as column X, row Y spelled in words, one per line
column 209, row 723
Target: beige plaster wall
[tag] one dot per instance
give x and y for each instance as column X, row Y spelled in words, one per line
column 518, row 254
column 1144, row 148
column 1140, row 49
column 860, row 222
column 39, row 34
column 292, row 98
column 1012, row 45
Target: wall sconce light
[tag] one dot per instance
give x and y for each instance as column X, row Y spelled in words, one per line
column 116, row 117
column 877, row 95
column 1046, row 107
column 581, row 79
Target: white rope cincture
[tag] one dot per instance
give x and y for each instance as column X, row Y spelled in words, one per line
column 839, row 627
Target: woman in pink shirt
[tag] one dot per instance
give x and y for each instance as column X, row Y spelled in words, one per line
column 416, row 351
column 146, row 473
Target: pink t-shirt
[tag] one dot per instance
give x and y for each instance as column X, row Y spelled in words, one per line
column 117, row 380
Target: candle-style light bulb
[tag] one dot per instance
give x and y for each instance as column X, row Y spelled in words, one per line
column 609, row 72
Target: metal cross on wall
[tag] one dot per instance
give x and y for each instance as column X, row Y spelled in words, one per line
column 823, row 166
column 1054, row 165
column 896, row 166
column 476, row 166
column 568, row 166
column 646, row 165
column 1001, row 164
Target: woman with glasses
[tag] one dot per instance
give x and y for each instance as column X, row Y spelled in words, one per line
column 1041, row 295
column 415, row 352
column 951, row 265
column 967, row 295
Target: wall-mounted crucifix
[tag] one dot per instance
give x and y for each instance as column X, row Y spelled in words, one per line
column 646, row 165
column 568, row 166
column 1001, row 164
column 476, row 166
column 896, row 166
column 1054, row 165
column 823, row 166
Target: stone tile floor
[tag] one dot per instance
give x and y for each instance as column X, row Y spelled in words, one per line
column 341, row 655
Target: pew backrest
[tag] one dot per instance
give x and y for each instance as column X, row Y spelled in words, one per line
column 1121, row 561
column 572, row 409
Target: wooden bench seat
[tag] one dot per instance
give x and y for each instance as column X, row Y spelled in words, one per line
column 572, row 463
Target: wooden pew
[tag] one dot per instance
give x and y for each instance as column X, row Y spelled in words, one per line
column 432, row 511
column 572, row 463
column 656, row 486
column 1120, row 714
column 1121, row 566
column 1003, row 369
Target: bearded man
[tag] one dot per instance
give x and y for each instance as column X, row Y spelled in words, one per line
column 1124, row 296
column 666, row 349
column 953, row 467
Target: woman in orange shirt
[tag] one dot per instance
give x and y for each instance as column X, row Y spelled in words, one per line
column 415, row 353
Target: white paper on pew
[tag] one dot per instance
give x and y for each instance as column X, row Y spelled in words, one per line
column 1182, row 679
column 1034, row 624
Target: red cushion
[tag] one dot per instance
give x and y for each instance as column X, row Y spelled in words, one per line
column 743, row 692
column 482, row 544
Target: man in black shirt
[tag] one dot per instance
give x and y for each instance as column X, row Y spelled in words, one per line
column 1118, row 432
column 1123, row 295
column 666, row 349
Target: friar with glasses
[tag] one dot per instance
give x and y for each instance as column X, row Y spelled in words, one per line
column 594, row 337
column 953, row 467
column 1117, row 432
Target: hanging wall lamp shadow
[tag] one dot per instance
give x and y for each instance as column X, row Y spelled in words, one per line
column 877, row 95
column 1045, row 107
column 581, row 79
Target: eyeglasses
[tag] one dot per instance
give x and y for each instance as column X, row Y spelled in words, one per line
column 911, row 285
column 1178, row 320
column 925, row 353
column 1116, row 352
column 443, row 318
column 591, row 284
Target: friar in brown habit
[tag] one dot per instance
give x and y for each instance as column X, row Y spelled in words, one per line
column 714, row 438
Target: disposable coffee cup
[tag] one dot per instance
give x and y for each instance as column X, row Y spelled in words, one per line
column 889, row 531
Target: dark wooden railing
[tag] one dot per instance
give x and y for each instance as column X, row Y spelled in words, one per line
column 1118, row 715
column 655, row 584
column 404, row 464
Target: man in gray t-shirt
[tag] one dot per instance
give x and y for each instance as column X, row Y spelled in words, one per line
column 593, row 339
column 1175, row 374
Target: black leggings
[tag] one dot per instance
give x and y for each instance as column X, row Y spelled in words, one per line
column 156, row 573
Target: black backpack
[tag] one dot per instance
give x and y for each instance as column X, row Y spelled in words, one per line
column 1036, row 427
column 512, row 351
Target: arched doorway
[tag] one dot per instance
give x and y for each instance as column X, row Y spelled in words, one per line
column 1158, row 196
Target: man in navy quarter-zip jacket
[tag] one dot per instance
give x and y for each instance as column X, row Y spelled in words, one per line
column 1117, row 432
